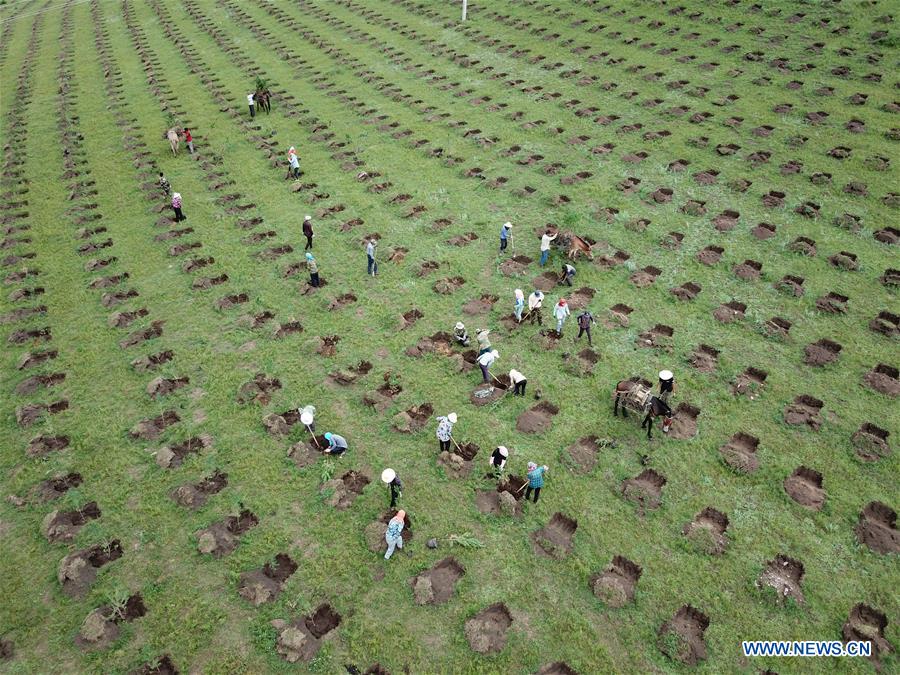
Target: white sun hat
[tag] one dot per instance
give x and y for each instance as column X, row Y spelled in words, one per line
column 507, row 224
column 388, row 475
column 307, row 217
column 460, row 325
column 452, row 418
column 306, row 418
column 503, row 450
column 665, row 375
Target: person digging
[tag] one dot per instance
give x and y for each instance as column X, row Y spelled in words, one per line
column 535, row 480
column 485, row 361
column 337, row 445
column 484, row 341
column 497, row 460
column 535, row 304
column 445, row 431
column 392, row 480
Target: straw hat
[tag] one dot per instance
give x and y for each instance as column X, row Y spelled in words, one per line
column 507, row 225
column 388, row 475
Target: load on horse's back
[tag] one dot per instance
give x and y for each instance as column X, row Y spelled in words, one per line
column 262, row 96
column 573, row 245
column 637, row 395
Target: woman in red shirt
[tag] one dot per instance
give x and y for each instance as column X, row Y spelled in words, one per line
column 189, row 140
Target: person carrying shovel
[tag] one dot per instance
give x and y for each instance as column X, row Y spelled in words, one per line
column 390, row 477
column 485, row 361
column 308, row 419
column 535, row 302
column 445, row 430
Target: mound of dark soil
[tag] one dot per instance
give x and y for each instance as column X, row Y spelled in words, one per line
column 341, row 492
column 871, row 442
column 341, row 301
column 407, row 319
column 458, row 460
column 684, row 424
column 645, row 277
column 62, row 526
column 777, row 327
column 77, row 571
column 536, row 419
column 687, row 291
column 705, row 358
column 413, row 419
column 327, row 345
column 480, row 306
column 301, row 639
column 172, row 456
column 681, row 637
column 821, row 353
column 259, row 389
column 557, row 668
column 658, row 337
column 645, row 489
column 804, row 410
column 791, row 285
column 265, row 584
column 784, row 574
column 877, row 528
column 221, row 538
column 100, row 628
column 706, row 531
column 43, row 445
column 886, row 323
column 151, row 429
column 486, row 631
column 514, row 266
column 740, row 452
column 194, row 495
column 804, row 486
column 554, row 540
column 448, row 285
column 162, row 386
column 153, row 361
column 884, row 379
column 436, row 585
column 615, row 586
column 54, row 488
column 866, row 624
column 750, row 383
column 729, row 312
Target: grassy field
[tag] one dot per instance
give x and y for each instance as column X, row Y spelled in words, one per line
column 530, row 112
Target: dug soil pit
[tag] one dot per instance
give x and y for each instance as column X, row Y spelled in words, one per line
column 375, row 531
column 486, row 631
column 645, row 277
column 382, row 398
column 462, row 239
column 803, row 246
column 804, row 410
column 750, row 383
column 707, row 531
column 658, row 337
column 877, row 528
column 536, row 419
column 871, row 442
column 172, row 456
column 749, row 270
column 54, row 488
column 883, row 379
column 407, row 319
column 448, row 285
column 615, row 586
column 687, row 291
column 821, row 353
column 458, row 461
column 480, row 306
column 545, row 282
column 730, row 312
column 515, row 265
column 554, row 540
column 618, row 317
column 783, row 574
column 866, row 624
column 778, row 328
column 301, row 639
column 307, row 452
column 77, row 571
column 221, row 538
column 710, row 255
column 160, row 666
column 264, row 585
column 427, row 268
column 350, row 375
column 804, row 486
column 557, row 668
column 497, row 502
column 150, row 430
column 740, row 452
column 705, row 358
column 162, row 386
column 194, row 495
column 548, row 338
column 327, row 345
column 341, row 492
column 62, row 526
column 439, row 343
column 436, row 586
column 886, row 323
column 413, row 419
column 100, row 628
column 790, row 285
column 341, row 301
column 484, row 394
column 681, row 637
column 583, row 453
column 259, row 389
column 645, row 489
column 581, row 298
column 832, row 303
column 44, row 445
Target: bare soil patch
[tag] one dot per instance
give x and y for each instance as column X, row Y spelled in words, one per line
column 480, row 306
column 344, row 490
column 221, row 538
column 486, row 631
column 707, row 531
column 730, row 312
column 615, row 586
column 645, row 489
column 866, row 624
column 554, row 540
column 172, row 456
column 62, row 526
column 436, row 585
column 658, row 337
column 259, row 389
column 684, row 424
column 458, row 460
column 448, row 285
column 804, row 486
column 681, row 637
column 515, row 266
column 100, row 628
column 584, row 452
column 77, row 571
column 536, row 419
column 56, row 487
column 413, row 419
column 871, row 442
column 263, row 585
column 740, row 452
column 705, row 358
column 151, row 429
column 42, row 445
column 194, row 495
column 884, row 379
column 750, row 383
column 804, row 410
column 877, row 528
column 783, row 574
column 821, row 353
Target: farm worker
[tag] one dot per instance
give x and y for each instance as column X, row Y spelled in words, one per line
column 585, row 321
column 444, row 431
column 176, row 206
column 337, row 445
column 497, row 460
column 568, row 273
column 370, row 255
column 535, row 303
column 484, row 342
column 561, row 312
column 393, row 535
column 485, row 361
column 518, row 380
column 313, row 269
column 460, row 334
column 390, row 477
column 504, row 235
column 535, row 480
column 189, row 140
column 308, row 417
column 520, row 303
column 164, row 183
column 308, row 231
column 294, row 161
column 250, row 103
column 666, row 386
column 545, row 246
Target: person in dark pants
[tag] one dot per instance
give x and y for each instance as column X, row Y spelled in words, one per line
column 504, row 235
column 535, row 480
column 445, row 431
column 308, row 232
column 585, row 321
column 535, row 303
column 568, row 273
column 250, row 102
column 313, row 270
column 666, row 385
column 518, row 380
column 497, row 460
column 390, row 477
column 370, row 256
column 189, row 140
column 164, row 184
column 176, row 206
column 337, row 445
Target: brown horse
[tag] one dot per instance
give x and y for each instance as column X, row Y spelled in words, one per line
column 573, row 244
column 263, row 98
column 637, row 396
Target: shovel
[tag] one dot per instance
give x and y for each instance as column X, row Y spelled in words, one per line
column 313, row 437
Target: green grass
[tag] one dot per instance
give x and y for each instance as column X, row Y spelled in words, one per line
column 194, row 612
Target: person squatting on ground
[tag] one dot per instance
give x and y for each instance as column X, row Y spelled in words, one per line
column 545, row 246
column 164, row 184
column 568, row 273
column 666, row 386
column 445, row 430
column 485, row 361
column 497, row 460
column 518, row 381
column 294, row 162
column 390, row 477
column 394, row 534
column 370, row 255
column 250, row 103
column 337, row 445
column 484, row 342
column 535, row 480
column 460, row 334
column 535, row 305
column 585, row 321
column 520, row 304
column 561, row 313
column 308, row 232
column 189, row 140
column 504, row 235
column 176, row 207
column 313, row 268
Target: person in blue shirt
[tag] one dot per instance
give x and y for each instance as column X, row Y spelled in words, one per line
column 535, row 480
column 370, row 255
column 394, row 534
column 504, row 235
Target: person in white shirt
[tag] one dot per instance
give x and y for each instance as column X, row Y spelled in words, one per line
column 535, row 301
column 545, row 246
column 250, row 102
column 485, row 361
column 561, row 312
column 518, row 380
